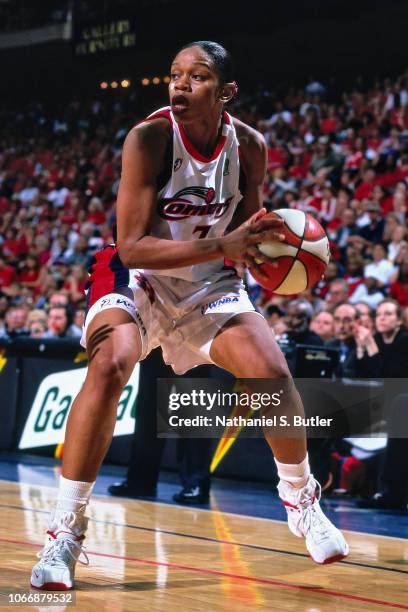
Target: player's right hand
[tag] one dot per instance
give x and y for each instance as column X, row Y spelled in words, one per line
column 241, row 243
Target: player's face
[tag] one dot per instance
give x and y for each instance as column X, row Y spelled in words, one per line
column 194, row 87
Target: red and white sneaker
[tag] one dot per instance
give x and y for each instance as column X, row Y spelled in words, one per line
column 324, row 542
column 63, row 547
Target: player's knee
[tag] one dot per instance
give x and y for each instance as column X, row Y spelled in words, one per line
column 110, row 372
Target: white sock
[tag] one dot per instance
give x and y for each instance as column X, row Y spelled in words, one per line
column 73, row 495
column 296, row 474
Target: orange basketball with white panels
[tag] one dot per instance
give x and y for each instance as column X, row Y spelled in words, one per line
column 301, row 258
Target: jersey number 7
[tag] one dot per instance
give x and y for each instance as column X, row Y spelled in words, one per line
column 202, row 230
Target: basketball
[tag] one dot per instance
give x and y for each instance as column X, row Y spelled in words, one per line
column 301, row 258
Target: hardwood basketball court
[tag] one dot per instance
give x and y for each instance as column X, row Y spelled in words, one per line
column 154, row 556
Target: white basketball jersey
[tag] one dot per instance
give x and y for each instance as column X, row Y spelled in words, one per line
column 200, row 197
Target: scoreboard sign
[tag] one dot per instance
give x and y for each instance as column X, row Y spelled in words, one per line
column 95, row 38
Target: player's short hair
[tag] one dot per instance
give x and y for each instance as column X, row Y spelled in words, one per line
column 220, row 57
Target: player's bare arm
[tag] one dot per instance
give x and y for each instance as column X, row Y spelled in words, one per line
column 142, row 160
column 253, row 159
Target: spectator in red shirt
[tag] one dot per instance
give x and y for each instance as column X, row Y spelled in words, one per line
column 276, row 157
column 399, row 289
column 30, row 271
column 42, row 249
column 330, row 123
column 299, row 167
column 4, row 205
column 96, row 214
column 388, row 173
column 323, row 286
column 12, row 246
column 354, row 273
column 8, row 275
column 365, row 189
column 75, row 284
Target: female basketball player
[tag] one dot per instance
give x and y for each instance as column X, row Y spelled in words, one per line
column 180, row 189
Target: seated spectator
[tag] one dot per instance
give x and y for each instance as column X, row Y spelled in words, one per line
column 273, row 314
column 347, row 228
column 365, row 189
column 399, row 288
column 41, row 248
column 316, row 302
column 60, row 271
column 75, row 330
column 338, row 294
column 58, row 298
column 8, row 274
column 323, row 325
column 391, row 222
column 29, row 193
column 92, row 236
column 402, row 254
column 298, row 317
column 4, row 306
column 58, row 194
column 57, row 322
column 374, row 230
column 75, row 284
column 344, row 322
column 380, row 268
column 398, row 236
column 36, row 315
column 383, row 354
column 354, row 272
column 30, row 272
column 12, row 246
column 324, row 158
column 80, row 255
column 13, row 291
column 96, row 214
column 364, row 315
column 15, row 322
column 330, row 274
column 60, row 251
column 37, row 329
column 399, row 206
column 369, row 292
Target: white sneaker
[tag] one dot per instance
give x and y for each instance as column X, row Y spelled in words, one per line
column 63, row 546
column 324, row 542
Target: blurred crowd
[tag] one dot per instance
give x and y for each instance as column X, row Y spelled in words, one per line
column 18, row 15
